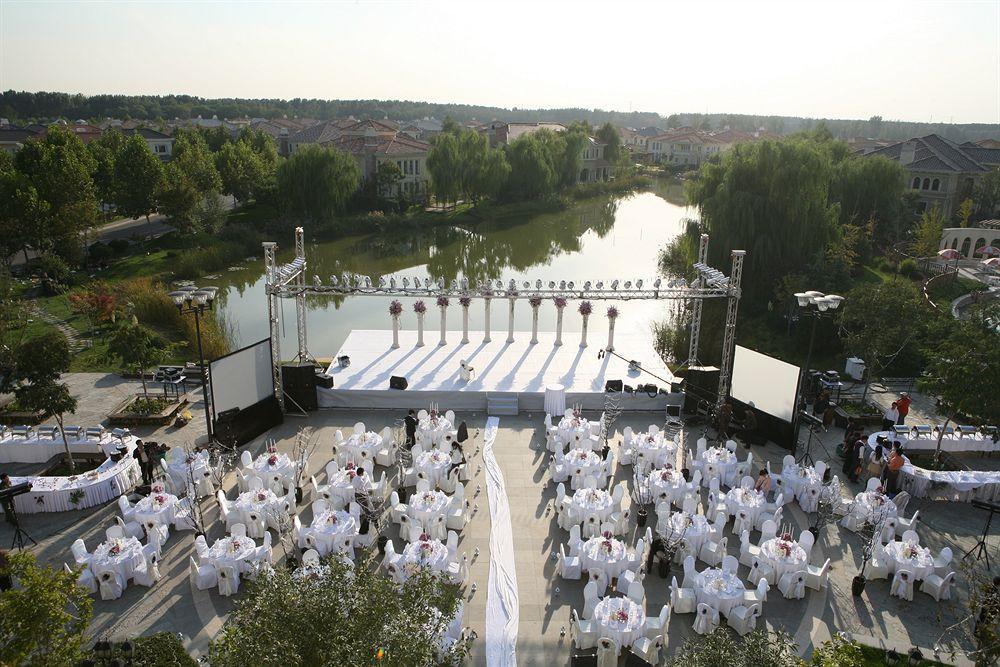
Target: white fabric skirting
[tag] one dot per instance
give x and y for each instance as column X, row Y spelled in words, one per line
column 949, row 443
column 501, row 600
column 40, row 450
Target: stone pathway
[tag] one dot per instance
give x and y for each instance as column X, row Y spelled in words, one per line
column 72, row 336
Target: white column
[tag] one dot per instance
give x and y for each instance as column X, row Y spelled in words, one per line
column 583, row 333
column 510, row 322
column 395, row 331
column 486, row 326
column 559, row 313
column 611, row 333
column 534, row 325
column 420, row 329
column 444, row 324
column 465, row 324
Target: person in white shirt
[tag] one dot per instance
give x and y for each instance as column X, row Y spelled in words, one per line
column 890, row 417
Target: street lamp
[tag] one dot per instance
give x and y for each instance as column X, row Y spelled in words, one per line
column 815, row 305
column 196, row 301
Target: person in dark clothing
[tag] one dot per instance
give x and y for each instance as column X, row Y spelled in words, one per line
column 853, row 458
column 143, row 455
column 411, row 429
column 822, row 402
column 5, row 581
column 725, row 417
column 749, row 430
column 463, row 434
column 8, row 503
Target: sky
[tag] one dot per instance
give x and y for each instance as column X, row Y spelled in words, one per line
column 914, row 60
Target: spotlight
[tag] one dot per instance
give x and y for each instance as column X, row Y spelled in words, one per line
column 638, row 284
column 381, row 282
column 526, row 284
column 600, row 284
column 552, row 284
column 656, row 283
column 538, row 284
column 406, row 283
column 614, row 284
column 586, row 286
column 628, row 284
column 392, row 283
column 333, row 280
column 317, row 282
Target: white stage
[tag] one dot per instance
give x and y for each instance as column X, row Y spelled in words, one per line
column 501, row 370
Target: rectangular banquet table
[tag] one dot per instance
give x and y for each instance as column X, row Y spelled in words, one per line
column 40, row 449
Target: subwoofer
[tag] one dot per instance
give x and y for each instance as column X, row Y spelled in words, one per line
column 299, row 384
column 398, row 382
column 701, row 383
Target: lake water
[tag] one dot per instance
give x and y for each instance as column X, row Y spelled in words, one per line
column 600, row 239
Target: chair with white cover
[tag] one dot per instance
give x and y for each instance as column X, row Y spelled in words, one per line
column 911, row 537
column 806, row 541
column 438, row 529
column 757, row 595
column 793, row 585
column 768, row 530
column 229, row 518
column 637, row 593
column 111, row 585
column 682, row 600
column 730, row 564
column 311, row 558
column 229, row 580
column 264, row 551
column 743, row 619
column 706, row 619
column 359, row 428
column 759, row 570
column 742, row 522
column 907, row 524
column 591, row 526
column 938, row 587
column 590, row 599
column 943, row 561
column 115, row 532
column 902, row 585
column 820, row 468
column 809, row 501
column 243, row 481
column 873, row 484
column 570, row 567
column 774, row 517
column 691, row 575
column 748, row 550
column 689, row 505
column 148, row 572
column 878, row 566
column 246, row 458
column 599, row 576
column 238, row 530
column 889, row 530
column 817, row 577
column 80, row 554
column 607, row 652
column 126, row 509
column 648, row 649
column 255, row 525
column 574, row 542
column 657, row 625
column 584, row 631
column 901, row 500
column 458, row 570
column 85, row 578
column 712, row 552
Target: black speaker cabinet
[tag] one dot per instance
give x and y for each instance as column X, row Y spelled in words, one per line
column 613, row 386
column 701, row 383
column 299, row 384
column 397, row 382
column 324, row 380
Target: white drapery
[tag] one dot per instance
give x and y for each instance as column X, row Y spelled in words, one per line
column 501, row 600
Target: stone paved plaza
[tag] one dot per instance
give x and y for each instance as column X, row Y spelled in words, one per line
column 175, row 605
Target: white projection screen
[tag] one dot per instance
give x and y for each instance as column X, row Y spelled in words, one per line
column 769, row 383
column 242, row 378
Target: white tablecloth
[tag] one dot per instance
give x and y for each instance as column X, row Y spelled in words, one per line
column 40, row 449
column 592, row 501
column 723, row 459
column 800, row 479
column 694, row 528
column 869, row 505
column 346, row 484
column 282, row 466
column 555, row 399
column 199, row 465
column 912, row 557
column 783, row 556
column 608, row 554
column 427, row 505
column 667, row 483
column 53, row 494
column 587, row 462
column 433, row 429
column 262, row 501
column 238, row 552
column 125, row 561
column 620, row 619
column 434, row 464
column 656, row 448
column 363, row 447
column 328, row 526
column 720, row 590
column 575, row 432
column 421, row 554
column 159, row 508
column 949, row 443
column 745, row 499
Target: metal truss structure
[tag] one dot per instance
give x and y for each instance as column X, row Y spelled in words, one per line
column 288, row 281
column 696, row 306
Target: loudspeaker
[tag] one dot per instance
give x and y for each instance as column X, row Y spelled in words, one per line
column 227, row 416
column 397, row 382
column 324, row 380
column 701, row 383
column 613, row 386
column 299, row 383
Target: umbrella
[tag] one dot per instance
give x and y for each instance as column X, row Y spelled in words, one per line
column 988, row 250
column 949, row 253
column 993, row 262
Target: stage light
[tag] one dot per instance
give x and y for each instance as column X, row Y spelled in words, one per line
column 454, row 285
column 345, row 278
column 614, row 284
column 570, row 284
column 381, row 282
column 406, row 283
column 416, row 282
column 499, row 284
column 834, row 300
column 392, row 283
column 586, row 286
column 638, row 284
column 333, row 280
column 552, row 284
column 628, row 284
column 427, row 283
column 656, row 283
column 464, row 283
column 600, row 284
column 512, row 285
column 317, row 282
column 538, row 284
column 526, row 284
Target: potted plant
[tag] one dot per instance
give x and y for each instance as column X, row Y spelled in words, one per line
column 824, row 509
column 871, row 538
column 641, row 497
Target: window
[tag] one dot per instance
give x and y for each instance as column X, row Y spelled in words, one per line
column 954, row 243
column 980, row 242
column 936, row 184
column 927, row 184
column 416, row 167
column 966, row 246
column 916, row 183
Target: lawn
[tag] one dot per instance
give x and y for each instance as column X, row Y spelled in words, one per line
column 875, row 657
column 944, row 291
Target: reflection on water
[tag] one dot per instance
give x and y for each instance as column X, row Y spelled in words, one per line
column 596, row 240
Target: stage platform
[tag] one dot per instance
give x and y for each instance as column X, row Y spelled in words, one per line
column 502, row 370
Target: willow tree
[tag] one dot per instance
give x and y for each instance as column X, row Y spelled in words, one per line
column 770, row 198
column 444, row 164
column 317, row 182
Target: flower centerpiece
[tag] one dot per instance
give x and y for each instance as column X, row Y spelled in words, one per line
column 560, row 305
column 786, row 537
column 665, row 475
column 583, row 456
column 785, row 548
column 535, row 301
column 234, row 545
column 424, row 537
column 261, row 496
column 585, row 308
column 607, row 546
column 621, row 616
column 465, row 301
column 160, row 500
column 395, row 308
column 442, row 301
column 272, row 459
column 612, row 316
column 115, row 548
column 420, row 308
column 560, row 302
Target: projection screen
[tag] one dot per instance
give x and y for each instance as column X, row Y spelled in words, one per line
column 242, row 378
column 769, row 383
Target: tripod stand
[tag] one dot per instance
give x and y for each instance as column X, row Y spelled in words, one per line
column 980, row 549
column 20, row 535
column 806, row 458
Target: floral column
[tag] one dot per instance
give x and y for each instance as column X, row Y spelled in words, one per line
column 612, row 316
column 486, row 326
column 395, row 310
column 535, row 302
column 442, row 302
column 420, row 309
column 585, row 309
column 466, row 302
column 560, row 304
column 511, row 297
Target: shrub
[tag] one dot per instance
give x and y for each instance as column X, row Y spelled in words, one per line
column 54, row 272
column 99, row 253
column 118, row 246
column 907, row 268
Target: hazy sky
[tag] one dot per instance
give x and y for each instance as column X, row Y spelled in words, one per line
column 901, row 60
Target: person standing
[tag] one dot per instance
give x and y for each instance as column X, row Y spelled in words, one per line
column 894, row 465
column 411, row 429
column 822, row 403
column 749, row 426
column 725, row 416
column 8, row 503
column 142, row 455
column 903, row 405
column 890, row 417
column 875, row 463
column 462, row 434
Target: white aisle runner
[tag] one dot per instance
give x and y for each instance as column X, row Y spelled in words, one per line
column 501, row 599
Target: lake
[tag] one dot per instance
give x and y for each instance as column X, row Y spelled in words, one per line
column 598, row 239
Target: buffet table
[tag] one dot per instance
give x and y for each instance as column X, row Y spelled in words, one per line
column 973, row 442
column 39, row 449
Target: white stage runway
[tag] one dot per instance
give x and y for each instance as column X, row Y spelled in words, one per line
column 501, row 369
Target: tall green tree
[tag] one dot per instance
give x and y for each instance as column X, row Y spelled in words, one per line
column 609, row 136
column 138, row 349
column 192, row 156
column 179, row 198
column 138, row 178
column 317, row 182
column 246, row 166
column 532, row 174
column 986, row 195
column 870, row 189
column 444, row 165
column 105, row 150
column 40, row 362
column 493, row 173
column 927, row 238
column 23, row 215
column 387, row 177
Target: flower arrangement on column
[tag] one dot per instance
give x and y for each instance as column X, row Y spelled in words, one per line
column 585, row 310
column 420, row 308
column 442, row 302
column 487, row 297
column 466, row 302
column 511, row 298
column 612, row 316
column 560, row 304
column 395, row 310
column 535, row 302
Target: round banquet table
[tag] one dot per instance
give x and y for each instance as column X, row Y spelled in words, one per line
column 667, row 484
column 868, row 503
column 723, row 459
column 159, row 508
column 125, row 561
column 800, row 479
column 433, row 429
column 434, row 464
column 342, row 484
column 592, row 501
column 912, row 557
column 261, row 501
column 657, row 449
column 180, row 471
column 608, row 554
column 620, row 619
column 328, row 526
column 584, row 461
column 363, row 447
column 695, row 528
column 555, row 399
column 237, row 552
column 424, row 554
column 282, row 467
column 575, row 430
column 745, row 499
column 773, row 553
column 425, row 506
column 720, row 590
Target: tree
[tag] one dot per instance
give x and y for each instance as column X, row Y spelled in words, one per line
column 138, row 178
column 52, row 398
column 444, row 165
column 44, row 620
column 387, row 178
column 137, row 348
column 964, row 212
column 758, row 648
column 928, row 235
column 884, row 324
column 531, row 171
column 317, row 182
column 23, row 215
column 472, row 150
column 239, row 169
column 608, row 135
column 987, row 195
column 963, row 372
column 193, row 158
column 179, row 198
column 870, row 189
column 96, row 302
column 43, row 357
column 493, row 174
column 344, row 617
column 450, row 126
column 104, row 151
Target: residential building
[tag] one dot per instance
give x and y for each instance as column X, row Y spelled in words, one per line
column 12, row 137
column 593, row 166
column 939, row 171
column 162, row 145
column 423, row 129
column 966, row 240
column 83, row 130
column 320, row 133
column 684, row 147
column 282, row 129
column 504, row 133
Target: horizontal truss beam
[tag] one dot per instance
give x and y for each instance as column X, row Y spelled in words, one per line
column 290, row 291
